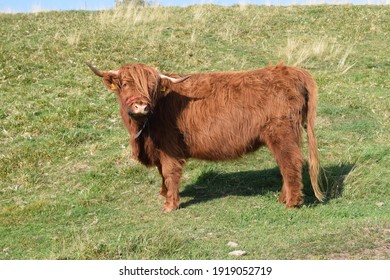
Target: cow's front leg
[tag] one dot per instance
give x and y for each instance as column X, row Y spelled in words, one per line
column 164, row 190
column 171, row 170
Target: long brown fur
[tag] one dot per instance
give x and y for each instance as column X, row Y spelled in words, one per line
column 221, row 116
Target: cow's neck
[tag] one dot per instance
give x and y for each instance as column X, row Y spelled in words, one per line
column 141, row 128
column 142, row 146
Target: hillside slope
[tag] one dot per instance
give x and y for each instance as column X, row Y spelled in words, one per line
column 68, row 189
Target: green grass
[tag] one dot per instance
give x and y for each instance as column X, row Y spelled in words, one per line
column 69, row 190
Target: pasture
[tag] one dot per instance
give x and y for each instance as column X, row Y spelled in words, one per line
column 69, row 190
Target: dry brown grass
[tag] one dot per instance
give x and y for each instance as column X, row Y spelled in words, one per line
column 310, row 53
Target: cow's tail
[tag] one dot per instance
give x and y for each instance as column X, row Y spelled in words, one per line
column 314, row 162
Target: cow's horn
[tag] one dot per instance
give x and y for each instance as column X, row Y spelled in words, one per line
column 94, row 70
column 116, row 72
column 100, row 73
column 174, row 80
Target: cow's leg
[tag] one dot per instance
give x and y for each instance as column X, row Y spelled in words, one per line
column 171, row 170
column 282, row 196
column 164, row 190
column 290, row 163
column 287, row 153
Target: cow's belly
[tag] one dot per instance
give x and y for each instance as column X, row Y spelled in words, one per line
column 224, row 145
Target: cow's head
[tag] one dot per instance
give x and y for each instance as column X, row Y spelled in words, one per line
column 138, row 87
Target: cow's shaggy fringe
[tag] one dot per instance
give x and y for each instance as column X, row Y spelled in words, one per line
column 144, row 78
column 219, row 116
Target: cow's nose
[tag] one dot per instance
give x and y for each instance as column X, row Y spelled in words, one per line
column 139, row 109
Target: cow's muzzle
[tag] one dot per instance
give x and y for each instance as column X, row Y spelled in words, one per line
column 138, row 108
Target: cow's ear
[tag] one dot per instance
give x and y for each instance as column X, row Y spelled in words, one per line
column 165, row 85
column 110, row 78
column 111, row 81
column 167, row 82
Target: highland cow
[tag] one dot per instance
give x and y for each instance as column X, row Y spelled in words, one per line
column 218, row 116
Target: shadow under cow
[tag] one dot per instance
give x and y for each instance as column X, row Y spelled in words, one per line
column 213, row 185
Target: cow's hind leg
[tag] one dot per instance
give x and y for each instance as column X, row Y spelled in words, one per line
column 287, row 153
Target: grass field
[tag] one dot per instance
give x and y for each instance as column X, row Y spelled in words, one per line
column 69, row 190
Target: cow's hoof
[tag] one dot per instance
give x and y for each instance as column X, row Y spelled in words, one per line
column 169, row 208
column 294, row 203
column 282, row 198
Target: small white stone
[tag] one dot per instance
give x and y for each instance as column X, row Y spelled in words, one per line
column 232, row 244
column 237, row 253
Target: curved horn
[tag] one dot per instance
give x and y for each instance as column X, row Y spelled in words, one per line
column 116, row 72
column 94, row 70
column 100, row 73
column 174, row 80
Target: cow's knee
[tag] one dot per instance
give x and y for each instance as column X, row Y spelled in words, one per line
column 163, row 191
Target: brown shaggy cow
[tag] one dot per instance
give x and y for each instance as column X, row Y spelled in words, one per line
column 218, row 116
